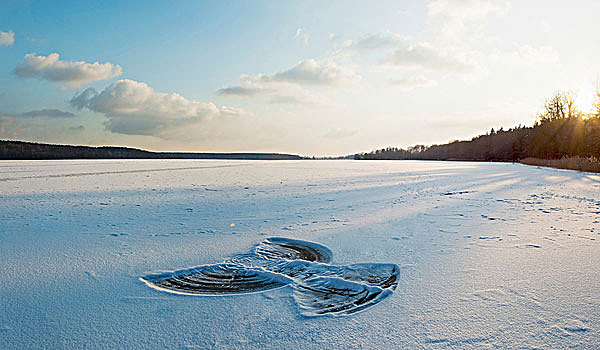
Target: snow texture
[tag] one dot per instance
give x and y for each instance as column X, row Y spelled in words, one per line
column 489, row 255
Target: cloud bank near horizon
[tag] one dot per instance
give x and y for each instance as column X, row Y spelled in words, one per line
column 135, row 108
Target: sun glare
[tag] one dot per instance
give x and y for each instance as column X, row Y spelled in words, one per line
column 585, row 98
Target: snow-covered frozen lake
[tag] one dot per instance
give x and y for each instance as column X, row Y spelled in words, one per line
column 490, row 255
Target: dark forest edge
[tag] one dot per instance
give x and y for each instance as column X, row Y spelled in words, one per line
column 20, row 150
column 591, row 164
column 562, row 137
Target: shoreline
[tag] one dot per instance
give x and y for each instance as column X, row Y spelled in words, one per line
column 590, row 165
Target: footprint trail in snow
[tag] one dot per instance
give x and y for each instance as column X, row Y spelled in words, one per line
column 318, row 287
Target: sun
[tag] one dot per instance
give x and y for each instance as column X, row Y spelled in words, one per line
column 585, row 98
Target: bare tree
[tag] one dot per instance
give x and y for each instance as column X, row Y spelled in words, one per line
column 569, row 101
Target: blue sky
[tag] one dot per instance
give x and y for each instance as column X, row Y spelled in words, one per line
column 307, row 77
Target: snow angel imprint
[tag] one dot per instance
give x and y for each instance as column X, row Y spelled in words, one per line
column 318, row 287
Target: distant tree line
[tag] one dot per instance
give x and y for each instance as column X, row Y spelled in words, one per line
column 561, row 130
column 29, row 150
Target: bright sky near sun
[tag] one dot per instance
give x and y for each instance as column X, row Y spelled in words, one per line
column 310, row 77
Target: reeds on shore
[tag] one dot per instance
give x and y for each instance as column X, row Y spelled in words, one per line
column 589, row 164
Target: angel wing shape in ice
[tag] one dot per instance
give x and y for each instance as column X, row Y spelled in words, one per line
column 318, row 287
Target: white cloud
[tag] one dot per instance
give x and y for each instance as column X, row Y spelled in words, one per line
column 43, row 113
column 454, row 16
column 302, row 35
column 51, row 113
column 426, row 56
column 279, row 92
column 402, row 51
column 532, row 54
column 410, row 83
column 467, row 9
column 299, row 97
column 7, row 38
column 134, row 108
column 526, row 54
column 286, row 87
column 232, row 111
column 459, row 26
column 378, row 42
column 240, row 90
column 247, row 86
column 311, row 72
column 72, row 73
